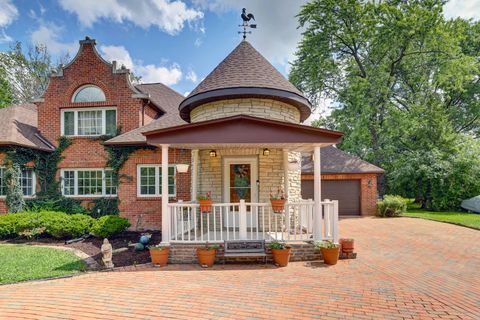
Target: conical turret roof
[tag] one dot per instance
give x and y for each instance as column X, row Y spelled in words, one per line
column 245, row 73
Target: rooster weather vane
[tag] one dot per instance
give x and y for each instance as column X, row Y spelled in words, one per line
column 246, row 18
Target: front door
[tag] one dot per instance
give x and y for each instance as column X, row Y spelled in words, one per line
column 240, row 177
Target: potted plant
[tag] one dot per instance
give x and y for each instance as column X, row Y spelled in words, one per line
column 280, row 252
column 278, row 201
column 330, row 251
column 206, row 254
column 347, row 245
column 205, row 202
column 159, row 255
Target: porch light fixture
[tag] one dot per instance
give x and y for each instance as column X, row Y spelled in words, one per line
column 213, row 153
column 266, row 152
column 293, row 166
column 370, row 184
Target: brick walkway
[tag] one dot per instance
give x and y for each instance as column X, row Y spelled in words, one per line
column 406, row 268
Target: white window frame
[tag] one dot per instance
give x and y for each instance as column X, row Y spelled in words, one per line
column 84, row 87
column 75, row 181
column 34, row 183
column 75, row 120
column 158, row 191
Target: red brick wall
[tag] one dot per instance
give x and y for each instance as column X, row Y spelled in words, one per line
column 368, row 196
column 147, row 212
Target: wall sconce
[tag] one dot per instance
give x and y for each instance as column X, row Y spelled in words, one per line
column 213, row 153
column 266, row 152
column 369, row 184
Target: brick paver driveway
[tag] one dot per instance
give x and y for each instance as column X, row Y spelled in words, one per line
column 406, row 268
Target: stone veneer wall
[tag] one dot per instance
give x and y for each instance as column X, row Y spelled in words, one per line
column 186, row 253
column 261, row 108
column 271, row 174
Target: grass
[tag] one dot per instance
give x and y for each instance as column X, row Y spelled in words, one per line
column 471, row 220
column 20, row 263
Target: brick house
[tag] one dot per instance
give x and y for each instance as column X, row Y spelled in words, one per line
column 239, row 131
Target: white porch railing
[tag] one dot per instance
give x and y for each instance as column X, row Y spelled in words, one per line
column 252, row 221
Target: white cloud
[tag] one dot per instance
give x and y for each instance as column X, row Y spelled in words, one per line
column 192, row 76
column 167, row 75
column 8, row 12
column 186, row 93
column 48, row 35
column 462, row 8
column 169, row 16
column 277, row 35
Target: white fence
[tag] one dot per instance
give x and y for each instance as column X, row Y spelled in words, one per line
column 253, row 221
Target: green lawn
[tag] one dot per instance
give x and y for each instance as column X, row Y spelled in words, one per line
column 471, row 220
column 20, row 262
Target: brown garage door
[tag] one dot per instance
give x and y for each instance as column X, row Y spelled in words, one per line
column 347, row 192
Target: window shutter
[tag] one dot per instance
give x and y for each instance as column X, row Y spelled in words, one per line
column 69, row 123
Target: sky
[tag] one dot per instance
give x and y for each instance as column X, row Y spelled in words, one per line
column 176, row 42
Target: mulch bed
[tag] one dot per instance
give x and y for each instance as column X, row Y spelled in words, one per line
column 91, row 246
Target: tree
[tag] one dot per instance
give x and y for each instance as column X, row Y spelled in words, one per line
column 405, row 79
column 14, row 198
column 27, row 75
column 6, row 97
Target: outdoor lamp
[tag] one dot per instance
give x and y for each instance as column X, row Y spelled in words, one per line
column 213, row 153
column 266, row 152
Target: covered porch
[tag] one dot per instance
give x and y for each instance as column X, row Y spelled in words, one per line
column 244, row 159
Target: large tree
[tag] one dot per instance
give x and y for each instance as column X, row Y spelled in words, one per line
column 406, row 85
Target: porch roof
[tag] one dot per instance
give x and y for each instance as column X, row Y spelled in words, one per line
column 243, row 131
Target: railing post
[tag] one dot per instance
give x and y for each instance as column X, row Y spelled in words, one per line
column 242, row 220
column 335, row 221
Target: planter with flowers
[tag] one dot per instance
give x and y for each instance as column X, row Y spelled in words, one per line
column 205, row 202
column 281, row 253
column 330, row 251
column 278, row 201
column 206, row 255
column 159, row 255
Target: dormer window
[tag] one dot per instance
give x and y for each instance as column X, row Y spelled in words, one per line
column 89, row 93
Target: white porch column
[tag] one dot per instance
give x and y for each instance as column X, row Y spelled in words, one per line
column 317, row 195
column 194, row 174
column 242, row 220
column 285, row 173
column 166, row 221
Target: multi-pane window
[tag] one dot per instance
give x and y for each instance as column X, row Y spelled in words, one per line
column 27, row 182
column 149, row 180
column 89, row 94
column 88, row 182
column 89, row 122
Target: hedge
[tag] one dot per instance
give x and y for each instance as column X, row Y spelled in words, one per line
column 391, row 206
column 58, row 225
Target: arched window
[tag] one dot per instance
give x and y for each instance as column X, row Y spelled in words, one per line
column 89, row 93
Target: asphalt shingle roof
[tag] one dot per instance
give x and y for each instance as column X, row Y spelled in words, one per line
column 334, row 160
column 18, row 126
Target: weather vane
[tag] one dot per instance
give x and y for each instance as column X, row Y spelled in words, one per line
column 246, row 18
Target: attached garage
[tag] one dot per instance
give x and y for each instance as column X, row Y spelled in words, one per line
column 347, row 192
column 348, row 179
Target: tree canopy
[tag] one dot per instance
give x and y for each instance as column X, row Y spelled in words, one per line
column 406, row 86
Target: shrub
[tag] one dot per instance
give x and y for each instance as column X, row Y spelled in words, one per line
column 391, row 206
column 104, row 207
column 107, row 226
column 14, row 198
column 34, row 224
column 55, row 203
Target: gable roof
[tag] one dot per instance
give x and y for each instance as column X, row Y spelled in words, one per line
column 243, row 130
column 334, row 160
column 245, row 73
column 167, row 100
column 19, row 128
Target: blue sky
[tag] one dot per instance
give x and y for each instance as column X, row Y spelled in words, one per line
column 177, row 42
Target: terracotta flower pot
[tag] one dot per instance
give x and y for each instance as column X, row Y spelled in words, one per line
column 347, row 245
column 206, row 257
column 281, row 257
column 330, row 255
column 278, row 205
column 205, row 206
column 159, row 256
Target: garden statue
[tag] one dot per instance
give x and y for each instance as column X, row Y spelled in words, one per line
column 106, row 250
